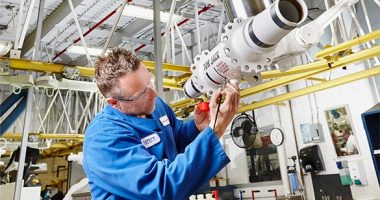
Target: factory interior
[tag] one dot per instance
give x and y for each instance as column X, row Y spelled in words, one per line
column 307, row 125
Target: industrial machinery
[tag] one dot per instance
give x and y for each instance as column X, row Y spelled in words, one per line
column 251, row 45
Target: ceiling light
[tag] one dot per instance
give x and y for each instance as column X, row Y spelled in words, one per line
column 5, row 46
column 145, row 13
column 80, row 50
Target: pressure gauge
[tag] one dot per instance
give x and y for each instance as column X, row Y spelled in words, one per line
column 276, row 136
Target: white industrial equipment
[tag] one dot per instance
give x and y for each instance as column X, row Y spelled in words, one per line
column 357, row 172
column 251, row 45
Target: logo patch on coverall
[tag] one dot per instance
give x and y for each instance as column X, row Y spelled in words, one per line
column 150, row 140
column 165, row 120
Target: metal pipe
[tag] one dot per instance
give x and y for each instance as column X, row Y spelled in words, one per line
column 281, row 152
column 183, row 42
column 157, row 49
column 19, row 23
column 24, row 141
column 37, row 48
column 197, row 28
column 119, row 14
column 26, row 24
column 79, row 29
column 220, row 26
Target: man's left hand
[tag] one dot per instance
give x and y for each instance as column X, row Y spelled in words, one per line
column 201, row 119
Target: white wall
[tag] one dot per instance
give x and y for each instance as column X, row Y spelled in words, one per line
column 359, row 98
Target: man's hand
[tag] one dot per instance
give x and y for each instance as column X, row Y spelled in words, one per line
column 201, row 119
column 227, row 109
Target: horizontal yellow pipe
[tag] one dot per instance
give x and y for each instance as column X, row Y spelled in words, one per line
column 56, row 136
column 20, row 64
column 311, row 89
column 349, row 44
column 168, row 67
column 316, row 79
column 321, row 66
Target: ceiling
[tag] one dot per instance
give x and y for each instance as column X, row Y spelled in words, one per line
column 59, row 30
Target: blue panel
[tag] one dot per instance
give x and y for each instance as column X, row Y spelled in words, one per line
column 11, row 118
column 371, row 122
column 11, row 100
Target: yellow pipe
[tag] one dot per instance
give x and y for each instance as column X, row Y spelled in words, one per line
column 323, row 66
column 62, row 136
column 348, row 44
column 168, row 67
column 358, row 56
column 20, row 64
column 294, row 70
column 279, row 82
column 317, row 79
column 314, row 88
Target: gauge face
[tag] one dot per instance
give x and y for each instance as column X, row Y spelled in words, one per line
column 277, row 136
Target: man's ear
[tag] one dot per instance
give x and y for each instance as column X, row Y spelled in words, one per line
column 112, row 102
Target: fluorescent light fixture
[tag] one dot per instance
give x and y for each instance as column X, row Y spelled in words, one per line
column 80, row 50
column 145, row 13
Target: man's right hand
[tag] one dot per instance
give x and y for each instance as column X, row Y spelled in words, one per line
column 227, row 109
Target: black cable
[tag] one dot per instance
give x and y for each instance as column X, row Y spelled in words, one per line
column 217, row 109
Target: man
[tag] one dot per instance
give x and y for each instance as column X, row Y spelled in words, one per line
column 137, row 149
column 350, row 147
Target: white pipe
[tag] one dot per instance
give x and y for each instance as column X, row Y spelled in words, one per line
column 120, row 12
column 173, row 45
column 75, row 16
column 168, row 25
column 24, row 141
column 332, row 28
column 197, row 32
column 183, row 42
column 19, row 22
column 281, row 152
column 220, row 27
column 341, row 24
column 377, row 2
column 183, row 55
column 26, row 24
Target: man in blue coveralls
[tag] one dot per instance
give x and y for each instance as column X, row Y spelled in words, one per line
column 137, row 149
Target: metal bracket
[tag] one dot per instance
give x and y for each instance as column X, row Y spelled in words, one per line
column 5, row 67
column 71, row 72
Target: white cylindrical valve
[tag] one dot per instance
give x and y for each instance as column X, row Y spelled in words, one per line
column 210, row 70
column 249, row 42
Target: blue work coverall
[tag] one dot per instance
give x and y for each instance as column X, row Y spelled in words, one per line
column 161, row 157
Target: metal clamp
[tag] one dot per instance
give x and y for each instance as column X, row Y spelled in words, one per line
column 71, row 72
